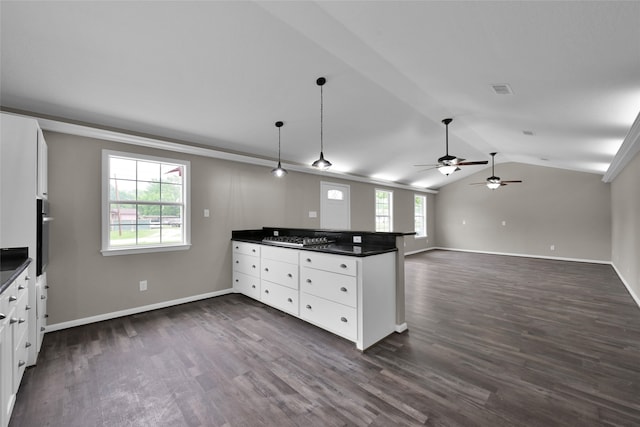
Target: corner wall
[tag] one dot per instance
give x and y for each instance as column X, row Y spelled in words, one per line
column 570, row 210
column 625, row 225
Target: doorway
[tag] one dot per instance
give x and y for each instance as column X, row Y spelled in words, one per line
column 335, row 206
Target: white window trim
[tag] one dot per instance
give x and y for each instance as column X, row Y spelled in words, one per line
column 375, row 206
column 426, row 229
column 106, row 251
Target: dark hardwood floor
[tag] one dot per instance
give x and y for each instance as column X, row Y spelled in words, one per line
column 492, row 341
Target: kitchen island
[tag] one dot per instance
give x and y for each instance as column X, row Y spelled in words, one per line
column 349, row 283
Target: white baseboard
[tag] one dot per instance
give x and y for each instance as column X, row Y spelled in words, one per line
column 592, row 261
column 135, row 310
column 419, row 251
column 635, row 296
column 401, row 328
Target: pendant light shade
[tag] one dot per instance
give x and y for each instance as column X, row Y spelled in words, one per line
column 279, row 171
column 321, row 163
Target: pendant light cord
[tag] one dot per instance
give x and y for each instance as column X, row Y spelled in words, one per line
column 321, row 119
column 278, row 144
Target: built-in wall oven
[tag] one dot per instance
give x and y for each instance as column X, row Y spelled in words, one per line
column 42, row 247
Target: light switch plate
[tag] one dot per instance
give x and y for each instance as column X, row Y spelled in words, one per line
column 313, row 214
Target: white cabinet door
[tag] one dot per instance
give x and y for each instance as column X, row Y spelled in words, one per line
column 280, row 272
column 247, row 285
column 328, row 262
column 332, row 286
column 246, row 264
column 280, row 297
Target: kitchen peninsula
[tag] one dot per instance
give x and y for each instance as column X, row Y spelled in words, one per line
column 349, row 283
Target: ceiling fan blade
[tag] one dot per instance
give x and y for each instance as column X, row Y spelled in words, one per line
column 478, row 183
column 480, row 162
column 430, row 165
column 510, row 182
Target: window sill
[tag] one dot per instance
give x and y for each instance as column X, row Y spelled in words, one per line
column 144, row 250
column 420, row 237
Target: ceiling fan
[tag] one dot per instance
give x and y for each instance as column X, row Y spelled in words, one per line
column 448, row 164
column 494, row 181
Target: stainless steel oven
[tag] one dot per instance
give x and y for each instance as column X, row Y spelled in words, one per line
column 42, row 247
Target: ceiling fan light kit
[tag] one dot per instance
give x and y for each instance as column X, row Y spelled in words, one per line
column 494, row 182
column 279, row 171
column 321, row 163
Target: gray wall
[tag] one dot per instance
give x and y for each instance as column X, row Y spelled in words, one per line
column 570, row 210
column 84, row 283
column 625, row 224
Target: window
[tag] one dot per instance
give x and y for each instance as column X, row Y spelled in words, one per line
column 145, row 203
column 420, row 215
column 384, row 208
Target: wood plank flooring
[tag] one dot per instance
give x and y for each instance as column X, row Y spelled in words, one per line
column 492, row 341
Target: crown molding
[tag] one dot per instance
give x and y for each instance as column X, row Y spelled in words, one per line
column 628, row 150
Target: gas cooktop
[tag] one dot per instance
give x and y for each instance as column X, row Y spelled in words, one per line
column 296, row 241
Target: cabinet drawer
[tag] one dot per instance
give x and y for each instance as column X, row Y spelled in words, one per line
column 334, row 317
column 19, row 361
column 245, row 284
column 331, row 286
column 246, row 264
column 280, row 297
column 333, row 263
column 246, row 248
column 280, row 254
column 280, row 272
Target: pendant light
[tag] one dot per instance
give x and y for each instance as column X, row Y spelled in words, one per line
column 321, row 163
column 446, row 168
column 279, row 171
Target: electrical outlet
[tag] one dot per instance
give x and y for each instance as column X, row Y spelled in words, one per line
column 276, row 233
column 504, row 223
column 313, row 214
column 206, row 213
column 143, row 285
column 357, row 239
column 464, row 222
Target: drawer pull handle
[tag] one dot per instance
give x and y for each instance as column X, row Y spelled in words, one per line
column 27, row 345
column 308, row 307
column 266, row 291
column 2, row 316
column 41, row 328
column 20, row 287
column 308, row 280
column 46, row 316
column 253, row 286
column 237, row 262
column 289, row 299
column 343, row 265
column 237, row 280
column 43, row 297
column 13, row 320
column 27, row 278
column 289, row 275
column 343, row 289
column 46, row 286
column 253, row 250
column 308, row 259
column 344, row 319
column 28, row 307
column 266, row 269
column 13, row 298
column 21, row 320
column 21, row 363
column 253, row 266
column 237, row 247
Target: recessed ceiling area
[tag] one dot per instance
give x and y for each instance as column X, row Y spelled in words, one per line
column 220, row 74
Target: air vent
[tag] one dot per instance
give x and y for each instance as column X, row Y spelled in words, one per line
column 502, row 89
column 528, row 132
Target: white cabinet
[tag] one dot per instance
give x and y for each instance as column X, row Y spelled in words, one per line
column 353, row 297
column 279, row 278
column 246, row 268
column 42, row 168
column 42, row 294
column 14, row 342
column 23, row 178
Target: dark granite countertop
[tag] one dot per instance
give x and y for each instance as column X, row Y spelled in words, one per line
column 13, row 261
column 341, row 241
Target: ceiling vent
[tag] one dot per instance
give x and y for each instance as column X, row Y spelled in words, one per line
column 502, row 89
column 527, row 132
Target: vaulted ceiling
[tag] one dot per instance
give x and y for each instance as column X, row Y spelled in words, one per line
column 220, row 74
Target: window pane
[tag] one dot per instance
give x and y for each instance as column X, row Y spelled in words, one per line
column 122, row 224
column 171, row 173
column 148, row 171
column 335, row 195
column 121, row 189
column 149, row 191
column 171, row 193
column 122, row 168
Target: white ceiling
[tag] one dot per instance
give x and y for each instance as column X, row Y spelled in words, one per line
column 221, row 74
